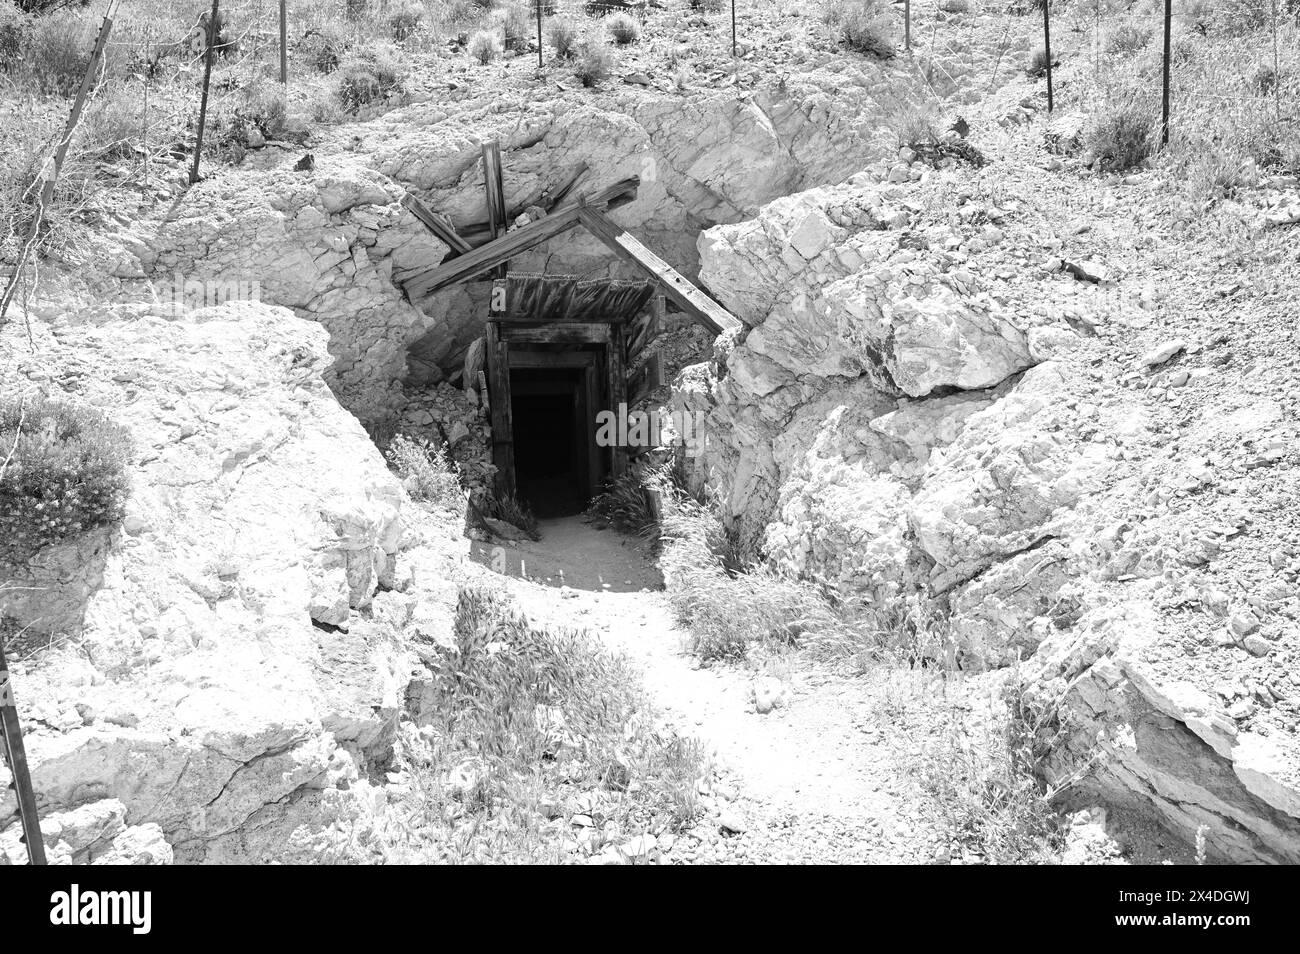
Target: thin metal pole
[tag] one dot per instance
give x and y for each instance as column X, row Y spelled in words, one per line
column 1164, row 106
column 907, row 24
column 733, row 28
column 284, row 42
column 207, row 79
column 539, row 34
column 11, row 735
column 1047, row 49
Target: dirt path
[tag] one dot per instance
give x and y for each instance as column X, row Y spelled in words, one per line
column 816, row 779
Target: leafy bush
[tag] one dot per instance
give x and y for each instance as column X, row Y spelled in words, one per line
column 427, row 471
column 864, row 26
column 484, row 47
column 65, row 473
column 370, row 75
column 595, row 62
column 1121, row 135
column 562, row 34
column 1127, row 38
column 623, row 28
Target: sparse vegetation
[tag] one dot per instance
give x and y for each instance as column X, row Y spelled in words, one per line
column 484, row 48
column 515, row 511
column 1127, row 38
column 562, row 34
column 1122, row 135
column 371, row 76
column 628, row 503
column 864, row 26
column 427, row 471
column 594, row 62
column 726, row 611
column 982, row 775
column 62, row 472
column 623, row 28
column 515, row 727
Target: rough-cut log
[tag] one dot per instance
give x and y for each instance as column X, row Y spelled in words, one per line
column 685, row 295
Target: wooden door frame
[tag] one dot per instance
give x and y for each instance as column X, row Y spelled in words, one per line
column 604, row 376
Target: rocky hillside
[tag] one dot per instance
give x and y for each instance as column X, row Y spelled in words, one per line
column 1062, row 408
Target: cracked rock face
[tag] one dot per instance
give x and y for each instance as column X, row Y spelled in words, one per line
column 198, row 696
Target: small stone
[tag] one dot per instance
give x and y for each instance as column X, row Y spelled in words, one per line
column 1257, row 645
column 1162, row 353
column 1244, row 623
column 730, row 820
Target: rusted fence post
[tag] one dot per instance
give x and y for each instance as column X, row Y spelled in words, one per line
column 1047, row 49
column 1164, row 101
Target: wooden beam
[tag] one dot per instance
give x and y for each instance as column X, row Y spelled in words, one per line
column 521, row 357
column 596, row 332
column 684, row 294
column 488, row 257
column 441, row 228
column 503, row 445
column 477, row 233
column 617, row 391
column 496, row 196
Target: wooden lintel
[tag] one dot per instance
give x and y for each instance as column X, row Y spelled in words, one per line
column 521, row 357
column 574, row 332
column 494, row 253
column 675, row 285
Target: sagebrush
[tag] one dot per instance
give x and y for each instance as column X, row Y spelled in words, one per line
column 62, row 473
column 427, row 471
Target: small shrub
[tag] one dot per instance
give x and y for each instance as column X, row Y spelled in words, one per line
column 324, row 48
column 623, row 28
column 14, row 27
column 515, row 511
column 1037, row 63
column 370, row 76
column 1264, row 79
column 406, row 20
column 708, row 6
column 427, row 471
column 66, row 473
column 864, row 26
column 484, row 48
column 595, row 62
column 562, row 34
column 628, row 503
column 57, row 53
column 954, row 6
column 518, row 28
column 1127, row 38
column 1121, row 136
column 726, row 611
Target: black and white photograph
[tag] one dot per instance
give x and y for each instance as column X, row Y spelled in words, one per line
column 650, row 433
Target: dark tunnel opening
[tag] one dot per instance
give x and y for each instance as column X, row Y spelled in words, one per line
column 551, row 419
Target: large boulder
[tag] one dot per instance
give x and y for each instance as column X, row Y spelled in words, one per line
column 231, row 655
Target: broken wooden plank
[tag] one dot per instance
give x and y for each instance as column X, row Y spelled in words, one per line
column 477, row 233
column 487, row 257
column 684, row 294
column 441, row 228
